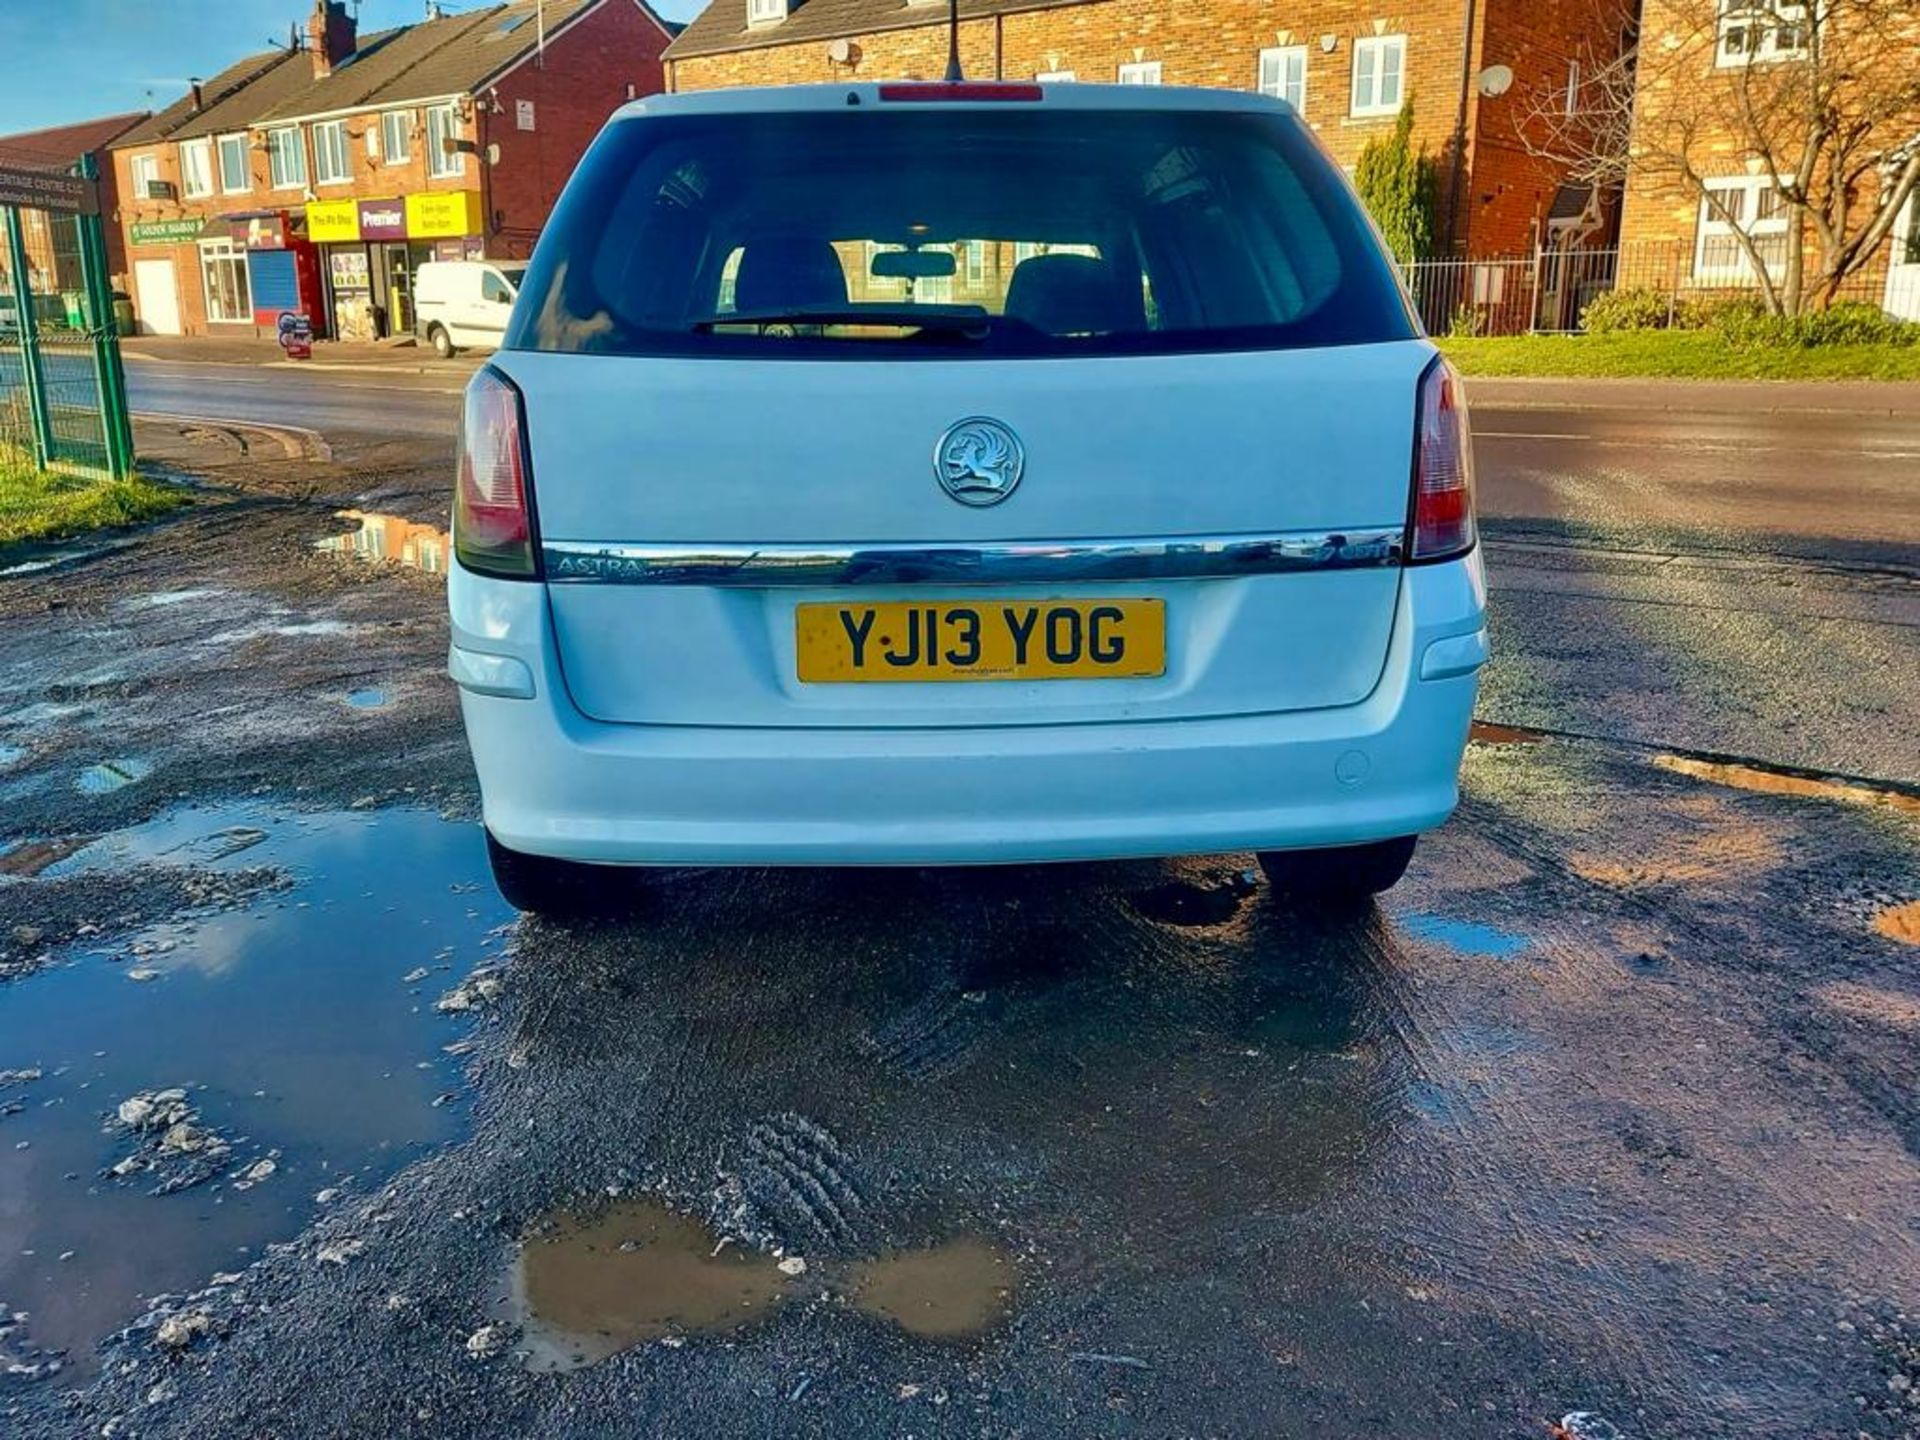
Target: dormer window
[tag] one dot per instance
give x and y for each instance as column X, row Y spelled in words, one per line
column 766, row 12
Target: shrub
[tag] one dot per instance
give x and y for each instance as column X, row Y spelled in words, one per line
column 1398, row 185
column 1855, row 322
column 1618, row 310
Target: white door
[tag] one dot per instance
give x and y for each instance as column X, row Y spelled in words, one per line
column 158, row 299
column 1903, row 274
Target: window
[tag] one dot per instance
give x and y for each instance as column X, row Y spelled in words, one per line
column 1379, row 67
column 1761, row 30
column 443, row 128
column 1910, row 254
column 1138, row 231
column 766, row 12
column 144, row 170
column 236, row 176
column 196, row 168
column 396, row 136
column 1752, row 206
column 330, row 166
column 1056, row 77
column 223, row 269
column 286, row 158
column 1141, row 72
column 494, row 289
column 1283, row 75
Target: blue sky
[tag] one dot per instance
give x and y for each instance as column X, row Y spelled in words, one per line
column 65, row 60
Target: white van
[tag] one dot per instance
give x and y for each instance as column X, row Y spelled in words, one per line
column 460, row 304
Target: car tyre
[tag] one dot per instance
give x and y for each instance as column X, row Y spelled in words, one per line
column 556, row 889
column 1339, row 878
column 441, row 341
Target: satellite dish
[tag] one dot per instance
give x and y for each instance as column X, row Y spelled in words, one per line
column 1496, row 80
column 841, row 52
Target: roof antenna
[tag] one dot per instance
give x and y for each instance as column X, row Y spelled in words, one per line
column 954, row 77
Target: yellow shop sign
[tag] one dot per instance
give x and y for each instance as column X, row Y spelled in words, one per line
column 450, row 213
column 332, row 221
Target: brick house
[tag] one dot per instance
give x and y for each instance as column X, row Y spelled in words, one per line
column 53, row 257
column 320, row 176
column 1696, row 189
column 1347, row 65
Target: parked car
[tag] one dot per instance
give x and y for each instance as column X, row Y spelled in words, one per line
column 464, row 304
column 959, row 474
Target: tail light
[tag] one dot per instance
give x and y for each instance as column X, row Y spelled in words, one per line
column 1442, row 468
column 492, row 514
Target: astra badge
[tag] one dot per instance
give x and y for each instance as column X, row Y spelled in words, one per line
column 978, row 461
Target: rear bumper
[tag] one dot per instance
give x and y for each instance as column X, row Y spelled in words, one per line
column 555, row 783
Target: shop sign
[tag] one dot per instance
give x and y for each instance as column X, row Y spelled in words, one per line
column 348, row 269
column 296, row 335
column 48, row 190
column 454, row 212
column 166, row 232
column 331, row 221
column 383, row 220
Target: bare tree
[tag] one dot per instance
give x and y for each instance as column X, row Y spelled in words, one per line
column 1820, row 99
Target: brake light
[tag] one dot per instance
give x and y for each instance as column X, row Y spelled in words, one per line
column 960, row 90
column 492, row 515
column 1443, row 525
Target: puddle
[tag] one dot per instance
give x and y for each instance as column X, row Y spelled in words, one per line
column 111, row 775
column 603, row 1282
column 293, row 631
column 1182, row 903
column 949, row 1292
column 11, row 755
column 1901, row 923
column 372, row 697
column 30, row 857
column 1464, row 936
column 1487, row 733
column 390, row 539
column 1780, row 782
column 284, row 1022
column 161, row 599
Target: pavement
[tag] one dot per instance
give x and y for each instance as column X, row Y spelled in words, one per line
column 401, row 356
column 1612, row 1107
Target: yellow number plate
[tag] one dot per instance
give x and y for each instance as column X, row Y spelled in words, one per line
column 981, row 640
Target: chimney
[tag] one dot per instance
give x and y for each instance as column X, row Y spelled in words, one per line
column 330, row 36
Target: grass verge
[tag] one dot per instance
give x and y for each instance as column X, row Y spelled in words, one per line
column 1677, row 354
column 40, row 506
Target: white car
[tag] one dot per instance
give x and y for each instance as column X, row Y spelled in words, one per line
column 913, row 474
column 464, row 304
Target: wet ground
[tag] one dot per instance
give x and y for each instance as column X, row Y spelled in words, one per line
column 1613, row 1106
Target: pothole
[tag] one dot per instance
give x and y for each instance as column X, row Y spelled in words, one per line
column 11, row 755
column 950, row 1291
column 369, row 697
column 1786, row 782
column 390, row 539
column 596, row 1284
column 111, row 775
column 30, row 857
column 1181, row 902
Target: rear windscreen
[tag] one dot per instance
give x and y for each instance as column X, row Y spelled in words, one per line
column 1026, row 230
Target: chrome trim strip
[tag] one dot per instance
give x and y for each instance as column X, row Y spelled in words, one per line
column 1013, row 562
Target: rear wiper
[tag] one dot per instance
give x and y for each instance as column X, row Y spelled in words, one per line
column 964, row 321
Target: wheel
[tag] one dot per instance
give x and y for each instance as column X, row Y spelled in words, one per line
column 559, row 889
column 441, row 341
column 1349, row 875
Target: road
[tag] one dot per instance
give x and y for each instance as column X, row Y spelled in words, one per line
column 1612, row 1106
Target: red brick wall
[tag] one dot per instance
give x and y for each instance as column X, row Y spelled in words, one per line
column 588, row 70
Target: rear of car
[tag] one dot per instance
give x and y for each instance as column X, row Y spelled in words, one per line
column 928, row 474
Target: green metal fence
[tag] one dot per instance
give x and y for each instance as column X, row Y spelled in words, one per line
column 63, row 394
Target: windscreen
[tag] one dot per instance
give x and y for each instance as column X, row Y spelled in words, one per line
column 1023, row 230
